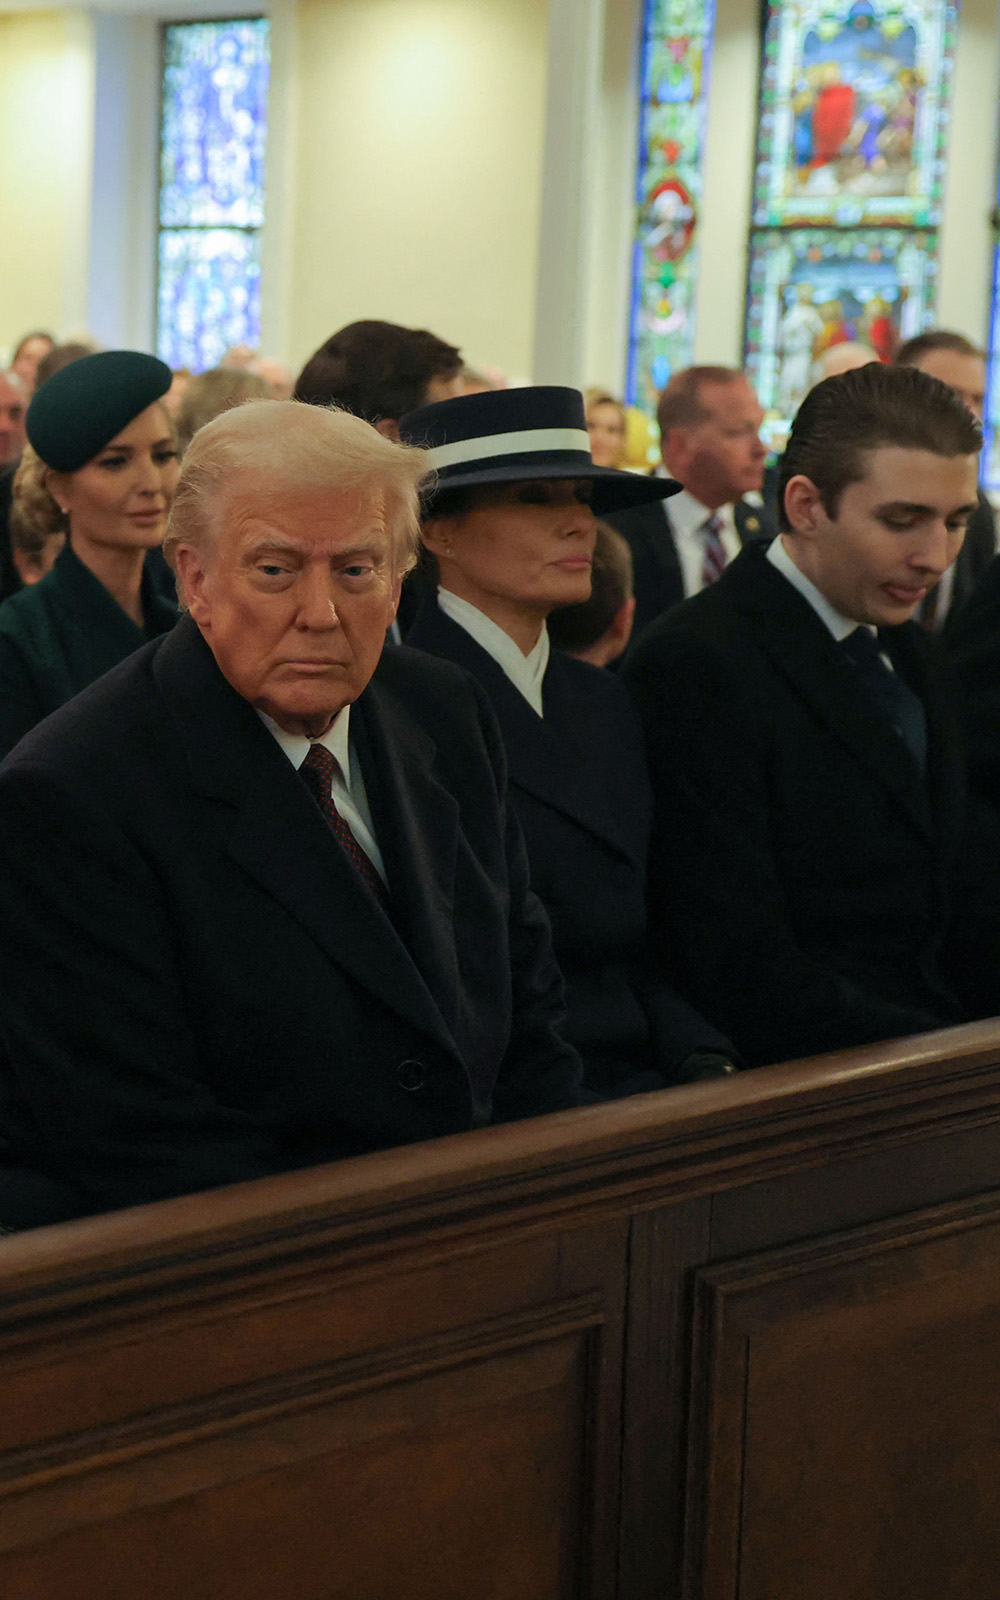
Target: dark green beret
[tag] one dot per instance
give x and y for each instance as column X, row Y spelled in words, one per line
column 79, row 410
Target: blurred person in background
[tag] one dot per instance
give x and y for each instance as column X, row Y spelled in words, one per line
column 13, row 405
column 62, row 355
column 101, row 466
column 30, row 350
column 14, row 395
column 211, row 393
column 710, row 421
column 959, row 363
column 607, row 428
column 380, row 371
column 598, row 630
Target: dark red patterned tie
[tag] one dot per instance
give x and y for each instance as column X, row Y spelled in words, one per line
column 317, row 772
column 714, row 561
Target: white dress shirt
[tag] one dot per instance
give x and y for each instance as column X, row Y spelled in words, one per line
column 840, row 626
column 687, row 517
column 525, row 672
column 348, row 786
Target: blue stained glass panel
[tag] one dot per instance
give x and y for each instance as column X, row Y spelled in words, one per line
column 676, row 51
column 213, row 132
column 209, row 294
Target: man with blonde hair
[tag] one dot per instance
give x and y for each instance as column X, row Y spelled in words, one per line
column 263, row 902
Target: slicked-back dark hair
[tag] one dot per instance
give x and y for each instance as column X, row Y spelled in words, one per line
column 924, row 344
column 843, row 418
column 376, row 370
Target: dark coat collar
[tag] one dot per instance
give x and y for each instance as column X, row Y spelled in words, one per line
column 799, row 644
column 73, row 588
column 552, row 758
column 280, row 838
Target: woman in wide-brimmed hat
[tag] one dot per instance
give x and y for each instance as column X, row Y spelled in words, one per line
column 101, row 467
column 510, row 523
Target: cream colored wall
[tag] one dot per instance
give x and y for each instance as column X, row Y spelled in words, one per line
column 46, row 117
column 416, row 153
column 966, row 256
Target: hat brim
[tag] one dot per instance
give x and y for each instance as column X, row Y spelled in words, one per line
column 613, row 490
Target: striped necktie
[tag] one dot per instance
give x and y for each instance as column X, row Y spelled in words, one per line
column 714, row 560
column 317, row 772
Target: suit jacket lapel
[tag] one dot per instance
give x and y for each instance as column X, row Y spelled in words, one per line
column 802, row 648
column 416, row 822
column 278, row 835
column 549, row 758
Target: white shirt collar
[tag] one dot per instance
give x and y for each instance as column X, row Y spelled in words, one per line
column 687, row 514
column 524, row 671
column 839, row 625
column 336, row 739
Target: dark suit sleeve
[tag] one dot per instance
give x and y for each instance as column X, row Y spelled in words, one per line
column 102, row 1081
column 717, row 911
column 540, row 1071
column 21, row 704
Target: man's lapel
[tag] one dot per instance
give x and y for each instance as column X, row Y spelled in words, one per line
column 802, row 648
column 416, row 821
column 277, row 834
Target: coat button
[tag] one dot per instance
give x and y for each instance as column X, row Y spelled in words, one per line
column 410, row 1075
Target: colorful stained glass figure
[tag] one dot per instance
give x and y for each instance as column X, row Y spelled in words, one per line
column 676, row 54
column 209, row 294
column 213, row 141
column 811, row 288
column 853, row 112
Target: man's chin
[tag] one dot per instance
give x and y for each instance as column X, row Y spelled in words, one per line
column 306, row 716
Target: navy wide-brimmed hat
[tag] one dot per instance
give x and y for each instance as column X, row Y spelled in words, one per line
column 81, row 408
column 514, row 435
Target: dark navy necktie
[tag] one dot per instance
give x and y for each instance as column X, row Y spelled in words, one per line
column 893, row 698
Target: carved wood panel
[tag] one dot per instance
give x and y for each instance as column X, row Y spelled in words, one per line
column 845, row 1434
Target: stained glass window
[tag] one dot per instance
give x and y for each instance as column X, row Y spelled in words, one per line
column 676, row 53
column 851, row 147
column 213, row 138
column 811, row 288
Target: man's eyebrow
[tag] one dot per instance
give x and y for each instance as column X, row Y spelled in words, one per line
column 915, row 508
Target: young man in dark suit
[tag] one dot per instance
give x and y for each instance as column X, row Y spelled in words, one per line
column 709, row 420
column 262, row 899
column 809, row 805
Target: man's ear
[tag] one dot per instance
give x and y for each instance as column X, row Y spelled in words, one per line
column 803, row 505
column 388, row 427
column 190, row 568
column 676, row 450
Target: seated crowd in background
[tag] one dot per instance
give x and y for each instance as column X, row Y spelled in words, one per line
column 271, row 894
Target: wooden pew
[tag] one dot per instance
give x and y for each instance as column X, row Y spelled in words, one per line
column 741, row 1339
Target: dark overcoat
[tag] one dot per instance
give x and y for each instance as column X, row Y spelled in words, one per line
column 61, row 634
column 656, row 569
column 579, row 784
column 196, row 987
column 803, row 869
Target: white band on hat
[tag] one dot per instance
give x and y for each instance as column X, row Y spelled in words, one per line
column 525, row 442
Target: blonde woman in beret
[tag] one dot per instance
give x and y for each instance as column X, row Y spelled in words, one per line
column 101, row 467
